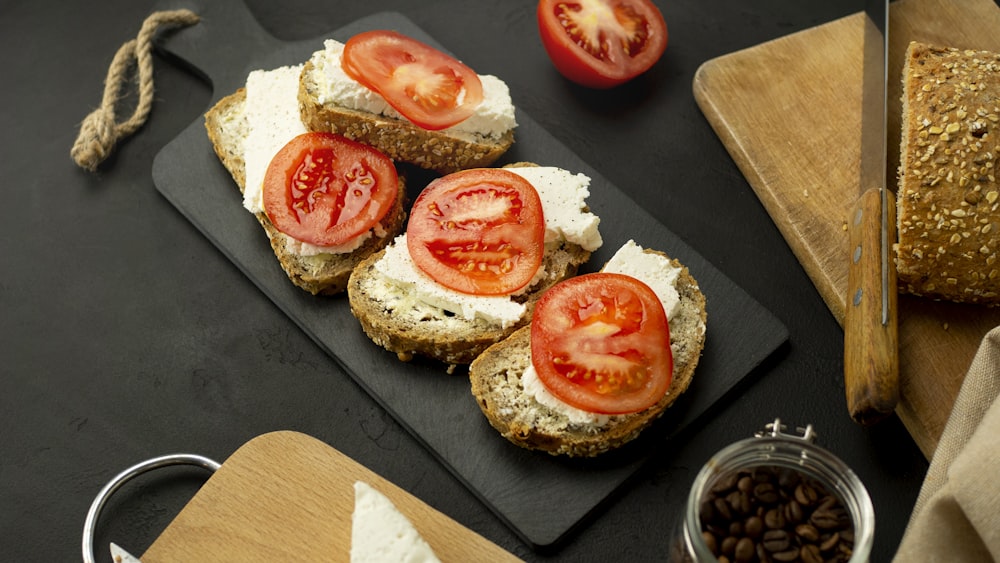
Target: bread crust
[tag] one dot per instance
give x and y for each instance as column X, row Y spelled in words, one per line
column 399, row 139
column 947, row 200
column 322, row 274
column 495, row 378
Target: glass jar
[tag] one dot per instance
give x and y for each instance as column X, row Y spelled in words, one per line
column 775, row 497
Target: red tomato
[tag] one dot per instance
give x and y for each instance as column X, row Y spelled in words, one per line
column 478, row 231
column 324, row 189
column 430, row 88
column 600, row 342
column 602, row 43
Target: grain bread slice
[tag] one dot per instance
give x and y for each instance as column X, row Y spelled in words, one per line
column 947, row 198
column 320, row 274
column 443, row 151
column 495, row 378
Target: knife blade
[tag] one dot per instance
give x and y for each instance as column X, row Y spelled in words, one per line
column 871, row 339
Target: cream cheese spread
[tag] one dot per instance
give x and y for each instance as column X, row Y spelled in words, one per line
column 493, row 117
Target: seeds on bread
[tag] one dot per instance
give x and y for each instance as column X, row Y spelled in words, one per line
column 948, row 212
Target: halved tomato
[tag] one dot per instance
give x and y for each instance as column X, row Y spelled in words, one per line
column 478, row 231
column 428, row 87
column 325, row 189
column 600, row 342
column 602, row 43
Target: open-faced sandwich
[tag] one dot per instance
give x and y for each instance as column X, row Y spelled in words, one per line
column 480, row 247
column 604, row 356
column 409, row 100
column 324, row 201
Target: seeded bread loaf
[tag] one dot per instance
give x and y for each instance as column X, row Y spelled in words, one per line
column 947, row 200
column 321, row 274
column 441, row 151
column 496, row 384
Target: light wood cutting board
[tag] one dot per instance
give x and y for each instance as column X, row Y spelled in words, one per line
column 285, row 496
column 788, row 111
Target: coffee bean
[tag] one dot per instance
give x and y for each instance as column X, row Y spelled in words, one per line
column 725, row 483
column 710, row 542
column 754, row 527
column 793, row 512
column 776, row 540
column 810, row 554
column 774, row 519
column 830, row 542
column 728, row 545
column 806, row 495
column 745, row 484
column 744, row 551
column 739, row 502
column 807, row 532
column 824, row 519
column 765, row 493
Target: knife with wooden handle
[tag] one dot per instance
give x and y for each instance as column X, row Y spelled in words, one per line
column 871, row 339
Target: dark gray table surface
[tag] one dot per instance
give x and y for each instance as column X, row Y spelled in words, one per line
column 126, row 334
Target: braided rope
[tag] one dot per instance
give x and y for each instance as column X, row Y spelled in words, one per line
column 99, row 131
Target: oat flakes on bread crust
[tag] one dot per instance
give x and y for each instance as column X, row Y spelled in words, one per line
column 398, row 138
column 947, row 199
column 323, row 274
column 495, row 378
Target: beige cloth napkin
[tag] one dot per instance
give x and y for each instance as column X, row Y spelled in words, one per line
column 957, row 514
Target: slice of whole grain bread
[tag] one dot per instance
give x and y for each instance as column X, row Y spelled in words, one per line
column 496, row 384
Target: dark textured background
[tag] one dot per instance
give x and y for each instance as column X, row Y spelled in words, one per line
column 125, row 334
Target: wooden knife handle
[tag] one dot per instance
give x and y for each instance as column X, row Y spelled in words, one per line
column 871, row 347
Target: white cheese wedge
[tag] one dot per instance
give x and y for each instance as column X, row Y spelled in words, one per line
column 652, row 269
column 273, row 119
column 382, row 534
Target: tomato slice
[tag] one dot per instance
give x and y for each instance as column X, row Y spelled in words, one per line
column 600, row 342
column 325, row 189
column 479, row 231
column 602, row 43
column 428, row 87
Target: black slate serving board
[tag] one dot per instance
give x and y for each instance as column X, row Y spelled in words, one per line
column 540, row 497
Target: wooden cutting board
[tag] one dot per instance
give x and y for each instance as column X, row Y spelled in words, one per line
column 285, row 496
column 789, row 113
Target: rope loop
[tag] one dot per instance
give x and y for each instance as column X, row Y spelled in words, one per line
column 100, row 131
